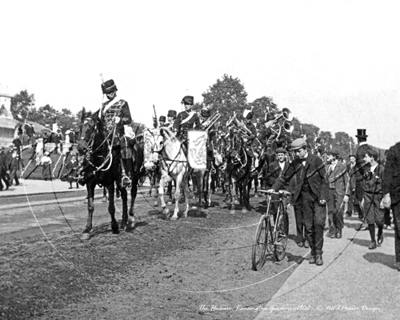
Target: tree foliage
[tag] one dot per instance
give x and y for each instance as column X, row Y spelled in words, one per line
column 21, row 104
column 227, row 95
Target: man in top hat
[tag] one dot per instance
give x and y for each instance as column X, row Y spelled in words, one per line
column 360, row 168
column 248, row 116
column 339, row 190
column 310, row 194
column 186, row 120
column 350, row 170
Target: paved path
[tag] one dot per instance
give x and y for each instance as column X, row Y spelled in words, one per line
column 353, row 283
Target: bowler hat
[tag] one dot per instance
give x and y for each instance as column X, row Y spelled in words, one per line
column 171, row 113
column 188, row 100
column 361, row 133
column 108, row 86
column 298, row 143
column 162, row 119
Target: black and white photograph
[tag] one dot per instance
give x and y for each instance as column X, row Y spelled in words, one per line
column 202, row 160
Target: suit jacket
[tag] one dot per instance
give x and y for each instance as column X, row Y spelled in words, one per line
column 338, row 178
column 391, row 175
column 313, row 171
column 359, row 171
column 274, row 171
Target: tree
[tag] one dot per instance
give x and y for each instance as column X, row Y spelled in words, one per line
column 226, row 96
column 263, row 105
column 21, row 104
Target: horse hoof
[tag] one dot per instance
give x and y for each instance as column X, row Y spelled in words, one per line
column 169, row 203
column 232, row 211
column 236, row 202
column 104, row 199
column 173, row 218
column 166, row 211
column 244, row 210
column 85, row 236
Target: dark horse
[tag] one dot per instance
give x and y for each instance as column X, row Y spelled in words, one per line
column 238, row 173
column 106, row 163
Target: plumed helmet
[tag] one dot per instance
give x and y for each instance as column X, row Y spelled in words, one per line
column 171, row 113
column 162, row 119
column 108, row 86
column 188, row 100
column 205, row 113
column 247, row 114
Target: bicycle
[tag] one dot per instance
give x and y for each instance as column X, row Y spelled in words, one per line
column 271, row 234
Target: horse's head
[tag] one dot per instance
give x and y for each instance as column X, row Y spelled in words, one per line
column 88, row 129
column 153, row 145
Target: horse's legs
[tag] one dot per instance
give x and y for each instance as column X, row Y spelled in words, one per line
column 124, row 197
column 111, row 208
column 179, row 182
column 163, row 180
column 233, row 195
column 131, row 218
column 104, row 199
column 90, row 206
column 186, row 190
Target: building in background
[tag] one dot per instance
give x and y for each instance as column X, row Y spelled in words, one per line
column 7, row 123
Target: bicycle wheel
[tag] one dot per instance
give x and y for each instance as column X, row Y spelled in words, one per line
column 280, row 235
column 260, row 243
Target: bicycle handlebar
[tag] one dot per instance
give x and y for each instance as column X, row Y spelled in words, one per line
column 281, row 193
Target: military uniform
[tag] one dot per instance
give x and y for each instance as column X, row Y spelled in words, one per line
column 116, row 112
column 186, row 120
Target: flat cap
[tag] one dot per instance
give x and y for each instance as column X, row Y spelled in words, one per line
column 298, row 143
column 280, row 150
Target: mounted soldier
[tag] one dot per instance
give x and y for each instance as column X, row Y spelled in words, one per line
column 171, row 116
column 116, row 116
column 186, row 120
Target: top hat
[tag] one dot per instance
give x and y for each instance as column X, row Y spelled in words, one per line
column 171, row 113
column 162, row 119
column 361, row 133
column 188, row 100
column 108, row 86
column 205, row 113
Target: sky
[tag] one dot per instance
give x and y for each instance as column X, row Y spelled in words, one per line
column 335, row 64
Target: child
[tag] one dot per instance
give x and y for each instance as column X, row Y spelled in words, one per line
column 373, row 197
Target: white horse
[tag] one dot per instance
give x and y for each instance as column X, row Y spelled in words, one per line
column 174, row 165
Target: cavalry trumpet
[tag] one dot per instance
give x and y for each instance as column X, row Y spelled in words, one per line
column 206, row 125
